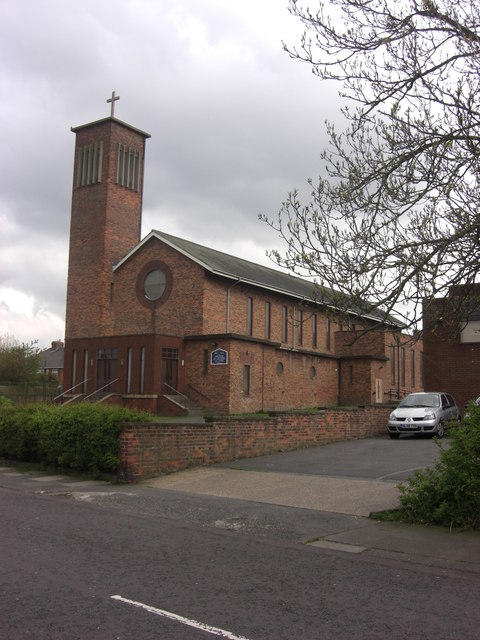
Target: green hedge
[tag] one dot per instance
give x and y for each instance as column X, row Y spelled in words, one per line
column 81, row 437
column 449, row 493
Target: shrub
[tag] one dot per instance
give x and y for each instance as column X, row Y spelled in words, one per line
column 449, row 493
column 80, row 437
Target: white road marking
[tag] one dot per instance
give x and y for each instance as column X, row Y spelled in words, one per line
column 397, row 473
column 173, row 616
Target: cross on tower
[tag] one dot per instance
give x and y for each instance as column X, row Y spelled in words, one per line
column 113, row 99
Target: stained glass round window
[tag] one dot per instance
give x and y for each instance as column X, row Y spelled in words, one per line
column 155, row 284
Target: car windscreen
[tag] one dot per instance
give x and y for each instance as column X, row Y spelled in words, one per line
column 423, row 400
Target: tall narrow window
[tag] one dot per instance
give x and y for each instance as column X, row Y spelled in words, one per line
column 300, row 327
column 402, row 366
column 142, row 370
column 328, row 330
column 129, row 370
column 314, row 330
column 246, row 379
column 421, row 368
column 250, row 316
column 268, row 315
column 74, row 369
column 128, row 167
column 85, row 370
column 412, row 367
column 284, row 324
column 392, row 364
column 89, row 164
column 205, row 361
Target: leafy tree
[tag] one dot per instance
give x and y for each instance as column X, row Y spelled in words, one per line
column 396, row 217
column 19, row 362
column 448, row 493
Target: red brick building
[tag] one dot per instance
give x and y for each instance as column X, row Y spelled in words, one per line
column 452, row 345
column 163, row 323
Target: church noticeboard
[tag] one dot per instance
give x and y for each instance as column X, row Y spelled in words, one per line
column 219, row 356
column 471, row 332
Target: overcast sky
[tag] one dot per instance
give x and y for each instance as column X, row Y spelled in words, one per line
column 235, row 125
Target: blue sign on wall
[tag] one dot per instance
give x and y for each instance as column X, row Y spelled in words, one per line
column 219, row 356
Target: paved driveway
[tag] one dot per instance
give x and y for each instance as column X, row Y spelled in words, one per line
column 372, row 459
column 354, row 477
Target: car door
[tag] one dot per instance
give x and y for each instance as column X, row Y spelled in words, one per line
column 449, row 408
column 453, row 407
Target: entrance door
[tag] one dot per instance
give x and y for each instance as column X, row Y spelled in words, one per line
column 106, row 369
column 169, row 369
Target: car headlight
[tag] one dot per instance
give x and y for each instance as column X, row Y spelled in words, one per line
column 429, row 416
column 392, row 416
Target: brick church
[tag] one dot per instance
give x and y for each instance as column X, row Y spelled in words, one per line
column 166, row 325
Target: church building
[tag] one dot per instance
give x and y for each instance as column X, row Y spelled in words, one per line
column 170, row 326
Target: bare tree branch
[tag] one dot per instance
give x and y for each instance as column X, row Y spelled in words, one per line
column 395, row 220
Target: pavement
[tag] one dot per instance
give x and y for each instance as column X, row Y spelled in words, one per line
column 267, row 497
column 342, row 507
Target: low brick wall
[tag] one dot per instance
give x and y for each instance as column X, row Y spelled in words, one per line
column 151, row 449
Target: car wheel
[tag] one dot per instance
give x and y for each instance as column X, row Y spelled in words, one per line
column 440, row 430
column 394, row 436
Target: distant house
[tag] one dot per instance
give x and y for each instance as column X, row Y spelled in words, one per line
column 51, row 361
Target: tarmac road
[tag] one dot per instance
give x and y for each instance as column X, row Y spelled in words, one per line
column 77, row 570
column 343, row 483
column 321, row 496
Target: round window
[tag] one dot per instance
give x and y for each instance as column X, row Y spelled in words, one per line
column 154, row 285
column 279, row 368
column 313, row 372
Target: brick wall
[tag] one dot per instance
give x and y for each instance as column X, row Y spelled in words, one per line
column 152, row 367
column 449, row 364
column 148, row 450
column 177, row 314
column 105, row 225
column 280, row 379
column 392, row 359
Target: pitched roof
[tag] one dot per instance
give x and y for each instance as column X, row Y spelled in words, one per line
column 52, row 358
column 240, row 270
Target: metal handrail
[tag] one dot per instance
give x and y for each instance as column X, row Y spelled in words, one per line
column 101, row 388
column 176, row 391
column 71, row 389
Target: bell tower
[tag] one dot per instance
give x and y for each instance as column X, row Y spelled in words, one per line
column 106, row 218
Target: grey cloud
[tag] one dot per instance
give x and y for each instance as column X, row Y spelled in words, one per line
column 235, row 123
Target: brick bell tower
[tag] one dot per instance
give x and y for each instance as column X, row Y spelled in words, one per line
column 106, row 218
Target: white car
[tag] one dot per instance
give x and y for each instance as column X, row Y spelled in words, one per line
column 426, row 412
